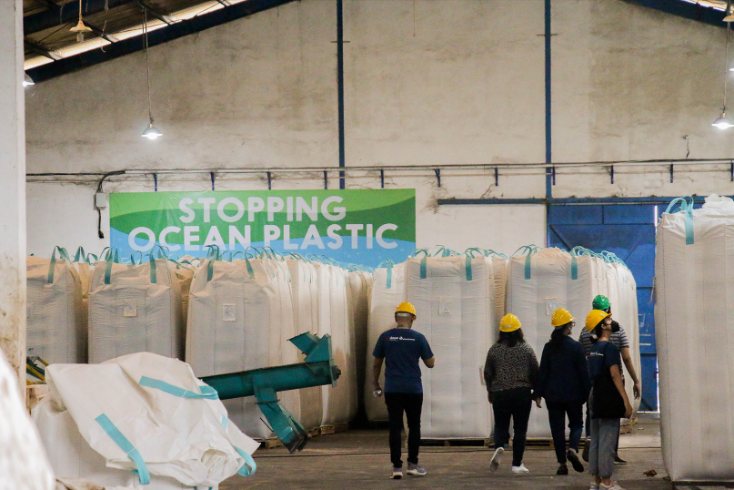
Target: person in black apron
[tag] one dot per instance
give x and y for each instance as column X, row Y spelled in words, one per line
column 608, row 401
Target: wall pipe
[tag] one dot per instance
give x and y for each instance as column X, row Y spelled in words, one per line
column 340, row 85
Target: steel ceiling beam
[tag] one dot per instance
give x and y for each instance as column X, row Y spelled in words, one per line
column 687, row 10
column 40, row 50
column 59, row 15
column 159, row 36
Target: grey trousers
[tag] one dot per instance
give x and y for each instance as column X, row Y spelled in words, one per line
column 604, row 433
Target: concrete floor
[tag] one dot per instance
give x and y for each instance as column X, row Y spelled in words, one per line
column 357, row 460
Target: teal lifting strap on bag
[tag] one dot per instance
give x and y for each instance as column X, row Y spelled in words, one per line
column 388, row 264
column 207, row 392
column 125, row 445
column 686, row 207
column 52, row 266
column 529, row 250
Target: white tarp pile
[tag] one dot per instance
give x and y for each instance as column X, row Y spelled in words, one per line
column 542, row 281
column 694, row 324
column 23, row 462
column 339, row 403
column 388, row 291
column 56, row 330
column 135, row 308
column 455, row 300
column 240, row 318
column 141, row 418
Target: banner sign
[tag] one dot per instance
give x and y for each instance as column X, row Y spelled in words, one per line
column 350, row 226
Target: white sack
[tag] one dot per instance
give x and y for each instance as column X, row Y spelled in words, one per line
column 694, row 284
column 134, row 398
column 23, row 462
column 240, row 319
column 388, row 291
column 55, row 326
column 540, row 283
column 136, row 312
column 455, row 302
column 340, row 402
column 305, row 316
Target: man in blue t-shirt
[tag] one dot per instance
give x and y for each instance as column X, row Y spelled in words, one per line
column 401, row 348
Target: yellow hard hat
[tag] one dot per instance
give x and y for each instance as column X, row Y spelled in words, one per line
column 406, row 308
column 593, row 319
column 561, row 317
column 509, row 323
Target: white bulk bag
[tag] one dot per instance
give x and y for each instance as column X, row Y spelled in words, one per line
column 538, row 284
column 388, row 291
column 694, row 324
column 134, row 308
column 184, row 274
column 305, row 316
column 455, row 302
column 150, row 414
column 85, row 267
column 241, row 319
column 23, row 464
column 358, row 294
column 340, row 402
column 56, row 331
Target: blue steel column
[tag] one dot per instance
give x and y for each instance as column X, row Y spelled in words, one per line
column 340, row 84
column 548, row 139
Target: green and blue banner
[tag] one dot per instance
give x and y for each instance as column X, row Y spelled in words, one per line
column 361, row 226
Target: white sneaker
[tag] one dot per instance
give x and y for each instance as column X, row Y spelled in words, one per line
column 518, row 470
column 614, row 486
column 496, row 459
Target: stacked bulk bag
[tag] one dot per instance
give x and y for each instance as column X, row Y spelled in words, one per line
column 455, row 302
column 539, row 282
column 693, row 315
column 56, row 331
column 340, row 402
column 134, row 308
column 139, row 419
column 388, row 291
column 305, row 316
column 358, row 295
column 240, row 318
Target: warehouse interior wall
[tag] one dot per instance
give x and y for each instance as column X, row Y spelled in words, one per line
column 427, row 82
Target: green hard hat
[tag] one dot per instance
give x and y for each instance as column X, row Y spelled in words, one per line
column 601, row 302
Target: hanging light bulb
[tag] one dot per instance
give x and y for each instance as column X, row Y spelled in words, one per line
column 722, row 122
column 28, row 81
column 151, row 132
column 80, row 28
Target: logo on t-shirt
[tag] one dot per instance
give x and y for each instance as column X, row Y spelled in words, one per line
column 402, row 338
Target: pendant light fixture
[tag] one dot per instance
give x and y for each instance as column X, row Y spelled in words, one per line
column 723, row 122
column 28, row 81
column 80, row 28
column 151, row 132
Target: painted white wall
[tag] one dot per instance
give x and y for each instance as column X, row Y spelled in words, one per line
column 427, row 82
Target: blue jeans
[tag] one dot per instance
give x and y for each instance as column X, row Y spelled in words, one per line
column 557, row 418
column 512, row 405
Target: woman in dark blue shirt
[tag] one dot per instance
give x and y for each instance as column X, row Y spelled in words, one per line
column 564, row 382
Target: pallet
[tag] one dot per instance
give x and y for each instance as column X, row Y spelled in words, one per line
column 333, row 429
column 34, row 394
column 270, row 443
column 476, row 442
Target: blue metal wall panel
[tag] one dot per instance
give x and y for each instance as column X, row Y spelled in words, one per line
column 628, row 230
